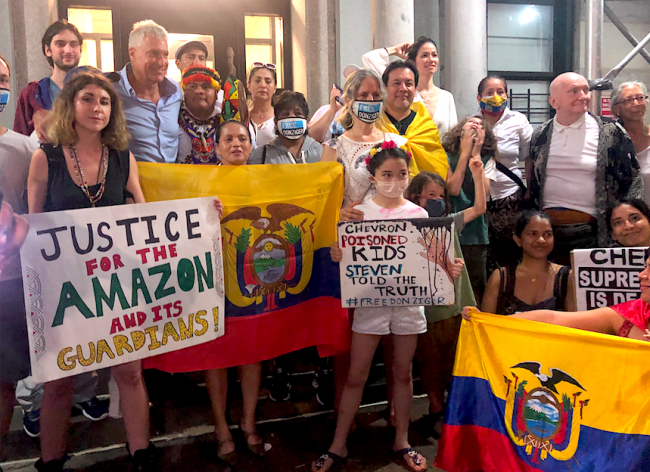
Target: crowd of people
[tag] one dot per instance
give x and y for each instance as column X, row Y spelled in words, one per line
column 79, row 133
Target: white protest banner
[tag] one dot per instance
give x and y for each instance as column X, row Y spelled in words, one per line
column 606, row 277
column 397, row 262
column 105, row 286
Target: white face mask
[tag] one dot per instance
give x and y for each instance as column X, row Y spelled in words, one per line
column 4, row 98
column 393, row 188
column 292, row 128
column 367, row 111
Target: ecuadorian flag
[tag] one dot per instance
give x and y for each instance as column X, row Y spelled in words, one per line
column 529, row 396
column 282, row 288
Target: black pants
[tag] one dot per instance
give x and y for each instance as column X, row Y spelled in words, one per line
column 570, row 237
column 476, row 262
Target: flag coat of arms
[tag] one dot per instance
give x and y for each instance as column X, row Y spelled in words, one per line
column 529, row 397
column 282, row 289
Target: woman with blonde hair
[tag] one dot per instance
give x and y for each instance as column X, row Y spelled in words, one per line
column 363, row 95
column 87, row 164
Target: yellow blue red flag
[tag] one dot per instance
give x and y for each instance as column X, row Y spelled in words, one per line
column 529, row 396
column 282, row 290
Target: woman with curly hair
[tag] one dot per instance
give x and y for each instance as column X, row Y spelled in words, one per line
column 472, row 137
column 88, row 165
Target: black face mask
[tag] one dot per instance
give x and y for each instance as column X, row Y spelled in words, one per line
column 435, row 207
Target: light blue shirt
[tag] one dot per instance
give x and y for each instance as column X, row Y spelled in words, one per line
column 153, row 127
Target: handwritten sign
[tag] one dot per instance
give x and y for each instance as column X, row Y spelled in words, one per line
column 606, row 277
column 106, row 286
column 397, row 262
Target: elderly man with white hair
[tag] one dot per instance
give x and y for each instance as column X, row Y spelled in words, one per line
column 151, row 100
column 577, row 167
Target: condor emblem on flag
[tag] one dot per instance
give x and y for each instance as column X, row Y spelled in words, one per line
column 530, row 397
column 281, row 286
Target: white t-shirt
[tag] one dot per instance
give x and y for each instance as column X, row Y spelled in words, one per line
column 263, row 133
column 644, row 161
column 372, row 211
column 513, row 132
column 15, row 156
column 571, row 166
column 444, row 116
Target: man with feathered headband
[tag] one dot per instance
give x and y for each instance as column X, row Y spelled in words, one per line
column 198, row 118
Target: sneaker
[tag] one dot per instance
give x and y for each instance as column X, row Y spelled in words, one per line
column 280, row 390
column 323, row 383
column 32, row 423
column 94, row 409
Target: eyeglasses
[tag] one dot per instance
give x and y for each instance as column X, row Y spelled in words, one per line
column 630, row 101
column 268, row 66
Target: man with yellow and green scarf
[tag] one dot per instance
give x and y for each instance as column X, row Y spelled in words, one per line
column 411, row 119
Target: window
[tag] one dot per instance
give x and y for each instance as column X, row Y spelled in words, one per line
column 176, row 40
column 96, row 27
column 520, row 37
column 530, row 97
column 264, row 42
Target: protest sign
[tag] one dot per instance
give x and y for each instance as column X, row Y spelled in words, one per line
column 106, row 286
column 606, row 277
column 397, row 262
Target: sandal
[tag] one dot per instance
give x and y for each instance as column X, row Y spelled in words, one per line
column 416, row 457
column 336, row 460
column 259, row 449
column 229, row 458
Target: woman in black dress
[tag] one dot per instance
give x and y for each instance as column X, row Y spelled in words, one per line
column 87, row 165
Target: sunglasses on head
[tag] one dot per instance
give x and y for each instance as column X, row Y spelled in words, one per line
column 268, row 66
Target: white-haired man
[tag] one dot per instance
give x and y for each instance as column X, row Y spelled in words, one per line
column 151, row 101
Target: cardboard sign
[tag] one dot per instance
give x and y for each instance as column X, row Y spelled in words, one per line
column 606, row 277
column 106, row 286
column 388, row 263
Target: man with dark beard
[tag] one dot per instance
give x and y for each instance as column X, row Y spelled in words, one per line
column 61, row 45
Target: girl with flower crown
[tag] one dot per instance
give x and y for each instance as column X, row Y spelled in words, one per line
column 388, row 167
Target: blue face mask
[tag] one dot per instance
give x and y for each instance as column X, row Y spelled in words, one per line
column 292, row 128
column 4, row 98
column 367, row 111
column 435, row 207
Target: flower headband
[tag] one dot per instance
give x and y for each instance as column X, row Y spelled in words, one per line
column 386, row 145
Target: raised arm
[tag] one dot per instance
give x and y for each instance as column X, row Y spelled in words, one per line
column 319, row 124
column 480, row 200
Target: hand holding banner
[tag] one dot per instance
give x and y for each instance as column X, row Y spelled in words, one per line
column 403, row 262
column 102, row 284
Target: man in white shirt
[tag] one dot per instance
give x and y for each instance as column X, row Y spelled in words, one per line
column 578, row 166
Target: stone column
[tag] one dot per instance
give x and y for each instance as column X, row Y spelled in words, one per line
column 22, row 24
column 427, row 23
column 312, row 24
column 466, row 51
column 391, row 22
column 353, row 34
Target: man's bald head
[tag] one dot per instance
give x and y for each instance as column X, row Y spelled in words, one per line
column 569, row 96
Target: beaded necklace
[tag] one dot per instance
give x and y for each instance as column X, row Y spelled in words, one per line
column 202, row 135
column 82, row 178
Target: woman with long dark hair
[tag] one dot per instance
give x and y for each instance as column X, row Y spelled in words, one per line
column 424, row 54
